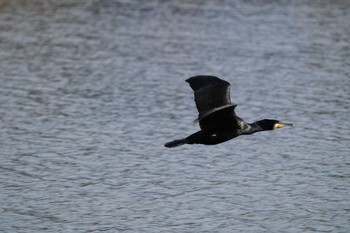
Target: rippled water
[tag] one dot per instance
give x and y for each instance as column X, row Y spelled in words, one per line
column 91, row 90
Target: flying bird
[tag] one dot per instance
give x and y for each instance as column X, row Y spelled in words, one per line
column 217, row 118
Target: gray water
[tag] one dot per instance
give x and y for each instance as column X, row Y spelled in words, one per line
column 91, row 90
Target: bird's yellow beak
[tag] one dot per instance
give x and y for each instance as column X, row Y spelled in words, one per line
column 281, row 124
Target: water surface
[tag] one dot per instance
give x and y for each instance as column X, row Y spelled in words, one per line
column 91, row 90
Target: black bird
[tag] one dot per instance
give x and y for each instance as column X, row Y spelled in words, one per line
column 217, row 118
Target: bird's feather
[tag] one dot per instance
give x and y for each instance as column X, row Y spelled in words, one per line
column 212, row 98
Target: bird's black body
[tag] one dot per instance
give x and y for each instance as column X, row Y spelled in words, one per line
column 217, row 118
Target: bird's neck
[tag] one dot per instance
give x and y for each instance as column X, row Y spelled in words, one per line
column 253, row 128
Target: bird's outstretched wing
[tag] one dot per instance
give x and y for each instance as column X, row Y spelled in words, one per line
column 212, row 97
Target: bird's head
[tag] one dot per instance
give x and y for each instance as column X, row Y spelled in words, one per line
column 268, row 124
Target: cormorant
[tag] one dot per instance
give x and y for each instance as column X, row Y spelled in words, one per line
column 217, row 118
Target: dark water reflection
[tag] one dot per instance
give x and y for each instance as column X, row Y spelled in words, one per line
column 91, row 90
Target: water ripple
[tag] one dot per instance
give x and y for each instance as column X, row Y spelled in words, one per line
column 91, row 91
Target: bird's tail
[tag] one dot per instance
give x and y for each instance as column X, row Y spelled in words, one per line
column 175, row 143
